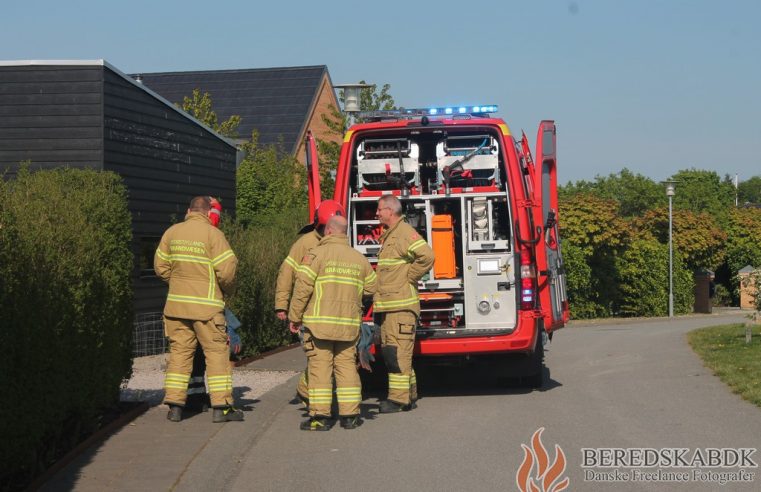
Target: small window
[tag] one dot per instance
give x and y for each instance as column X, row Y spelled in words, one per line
column 148, row 247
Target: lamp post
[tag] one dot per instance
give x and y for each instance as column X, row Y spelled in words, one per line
column 352, row 98
column 670, row 194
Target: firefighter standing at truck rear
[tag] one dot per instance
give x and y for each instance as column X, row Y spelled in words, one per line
column 403, row 259
column 327, row 299
column 286, row 277
column 196, row 260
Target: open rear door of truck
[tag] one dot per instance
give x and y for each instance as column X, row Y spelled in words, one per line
column 552, row 290
column 313, row 174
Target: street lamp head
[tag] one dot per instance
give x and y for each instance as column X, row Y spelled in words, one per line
column 352, row 96
column 669, row 187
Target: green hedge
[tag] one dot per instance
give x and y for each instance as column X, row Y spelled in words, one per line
column 261, row 249
column 66, row 299
column 643, row 280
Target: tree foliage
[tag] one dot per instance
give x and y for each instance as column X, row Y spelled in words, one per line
column 591, row 224
column 200, row 107
column 703, row 191
column 743, row 239
column 269, row 181
column 749, row 191
column 697, row 237
column 634, row 193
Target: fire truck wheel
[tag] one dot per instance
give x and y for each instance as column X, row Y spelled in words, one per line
column 535, row 379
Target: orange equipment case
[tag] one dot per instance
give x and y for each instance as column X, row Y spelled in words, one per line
column 442, row 241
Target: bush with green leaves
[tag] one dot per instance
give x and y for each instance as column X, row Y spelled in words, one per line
column 66, row 296
column 643, row 280
column 269, row 181
column 260, row 249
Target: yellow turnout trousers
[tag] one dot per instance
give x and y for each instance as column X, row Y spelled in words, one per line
column 398, row 343
column 324, row 359
column 184, row 335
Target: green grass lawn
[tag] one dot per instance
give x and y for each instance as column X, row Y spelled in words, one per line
column 724, row 351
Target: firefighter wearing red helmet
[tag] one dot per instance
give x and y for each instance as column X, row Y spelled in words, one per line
column 286, row 277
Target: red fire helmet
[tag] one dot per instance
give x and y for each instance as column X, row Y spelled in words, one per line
column 328, row 209
column 215, row 214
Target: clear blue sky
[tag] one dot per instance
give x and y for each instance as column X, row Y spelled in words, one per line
column 655, row 86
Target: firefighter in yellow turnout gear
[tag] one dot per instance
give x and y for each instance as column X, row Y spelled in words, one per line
column 327, row 300
column 286, row 277
column 403, row 259
column 196, row 260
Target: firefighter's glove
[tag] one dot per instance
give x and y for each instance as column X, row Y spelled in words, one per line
column 232, row 334
column 366, row 339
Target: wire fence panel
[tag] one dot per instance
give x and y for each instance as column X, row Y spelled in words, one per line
column 148, row 335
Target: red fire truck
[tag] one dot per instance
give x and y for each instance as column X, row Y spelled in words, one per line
column 497, row 287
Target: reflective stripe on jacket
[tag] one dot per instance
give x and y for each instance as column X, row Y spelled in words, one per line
column 286, row 277
column 403, row 259
column 197, row 262
column 330, row 284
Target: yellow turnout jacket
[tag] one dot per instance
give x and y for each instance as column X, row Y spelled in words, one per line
column 197, row 262
column 403, row 259
column 286, row 276
column 330, row 284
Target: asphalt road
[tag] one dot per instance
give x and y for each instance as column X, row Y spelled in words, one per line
column 624, row 385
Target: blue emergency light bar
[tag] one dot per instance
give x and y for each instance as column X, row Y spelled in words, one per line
column 481, row 111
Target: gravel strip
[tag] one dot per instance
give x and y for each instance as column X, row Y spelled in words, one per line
column 147, row 381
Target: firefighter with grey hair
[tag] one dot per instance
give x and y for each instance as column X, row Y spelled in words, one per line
column 403, row 259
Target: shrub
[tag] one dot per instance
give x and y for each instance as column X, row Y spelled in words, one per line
column 260, row 249
column 67, row 298
column 643, row 282
column 579, row 282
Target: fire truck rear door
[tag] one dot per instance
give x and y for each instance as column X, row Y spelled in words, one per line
column 313, row 174
column 546, row 181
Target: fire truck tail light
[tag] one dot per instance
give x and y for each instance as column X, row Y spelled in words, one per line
column 528, row 278
column 528, row 272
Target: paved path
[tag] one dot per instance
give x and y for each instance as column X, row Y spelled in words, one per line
column 635, row 384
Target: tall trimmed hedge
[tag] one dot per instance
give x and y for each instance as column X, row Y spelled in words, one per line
column 643, row 276
column 261, row 248
column 66, row 299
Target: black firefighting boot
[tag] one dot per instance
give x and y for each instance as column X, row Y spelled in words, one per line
column 175, row 413
column 315, row 424
column 226, row 414
column 351, row 421
column 388, row 406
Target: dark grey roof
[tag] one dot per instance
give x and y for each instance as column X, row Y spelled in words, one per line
column 275, row 101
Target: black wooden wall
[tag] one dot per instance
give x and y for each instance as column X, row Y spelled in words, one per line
column 51, row 116
column 93, row 116
column 165, row 159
